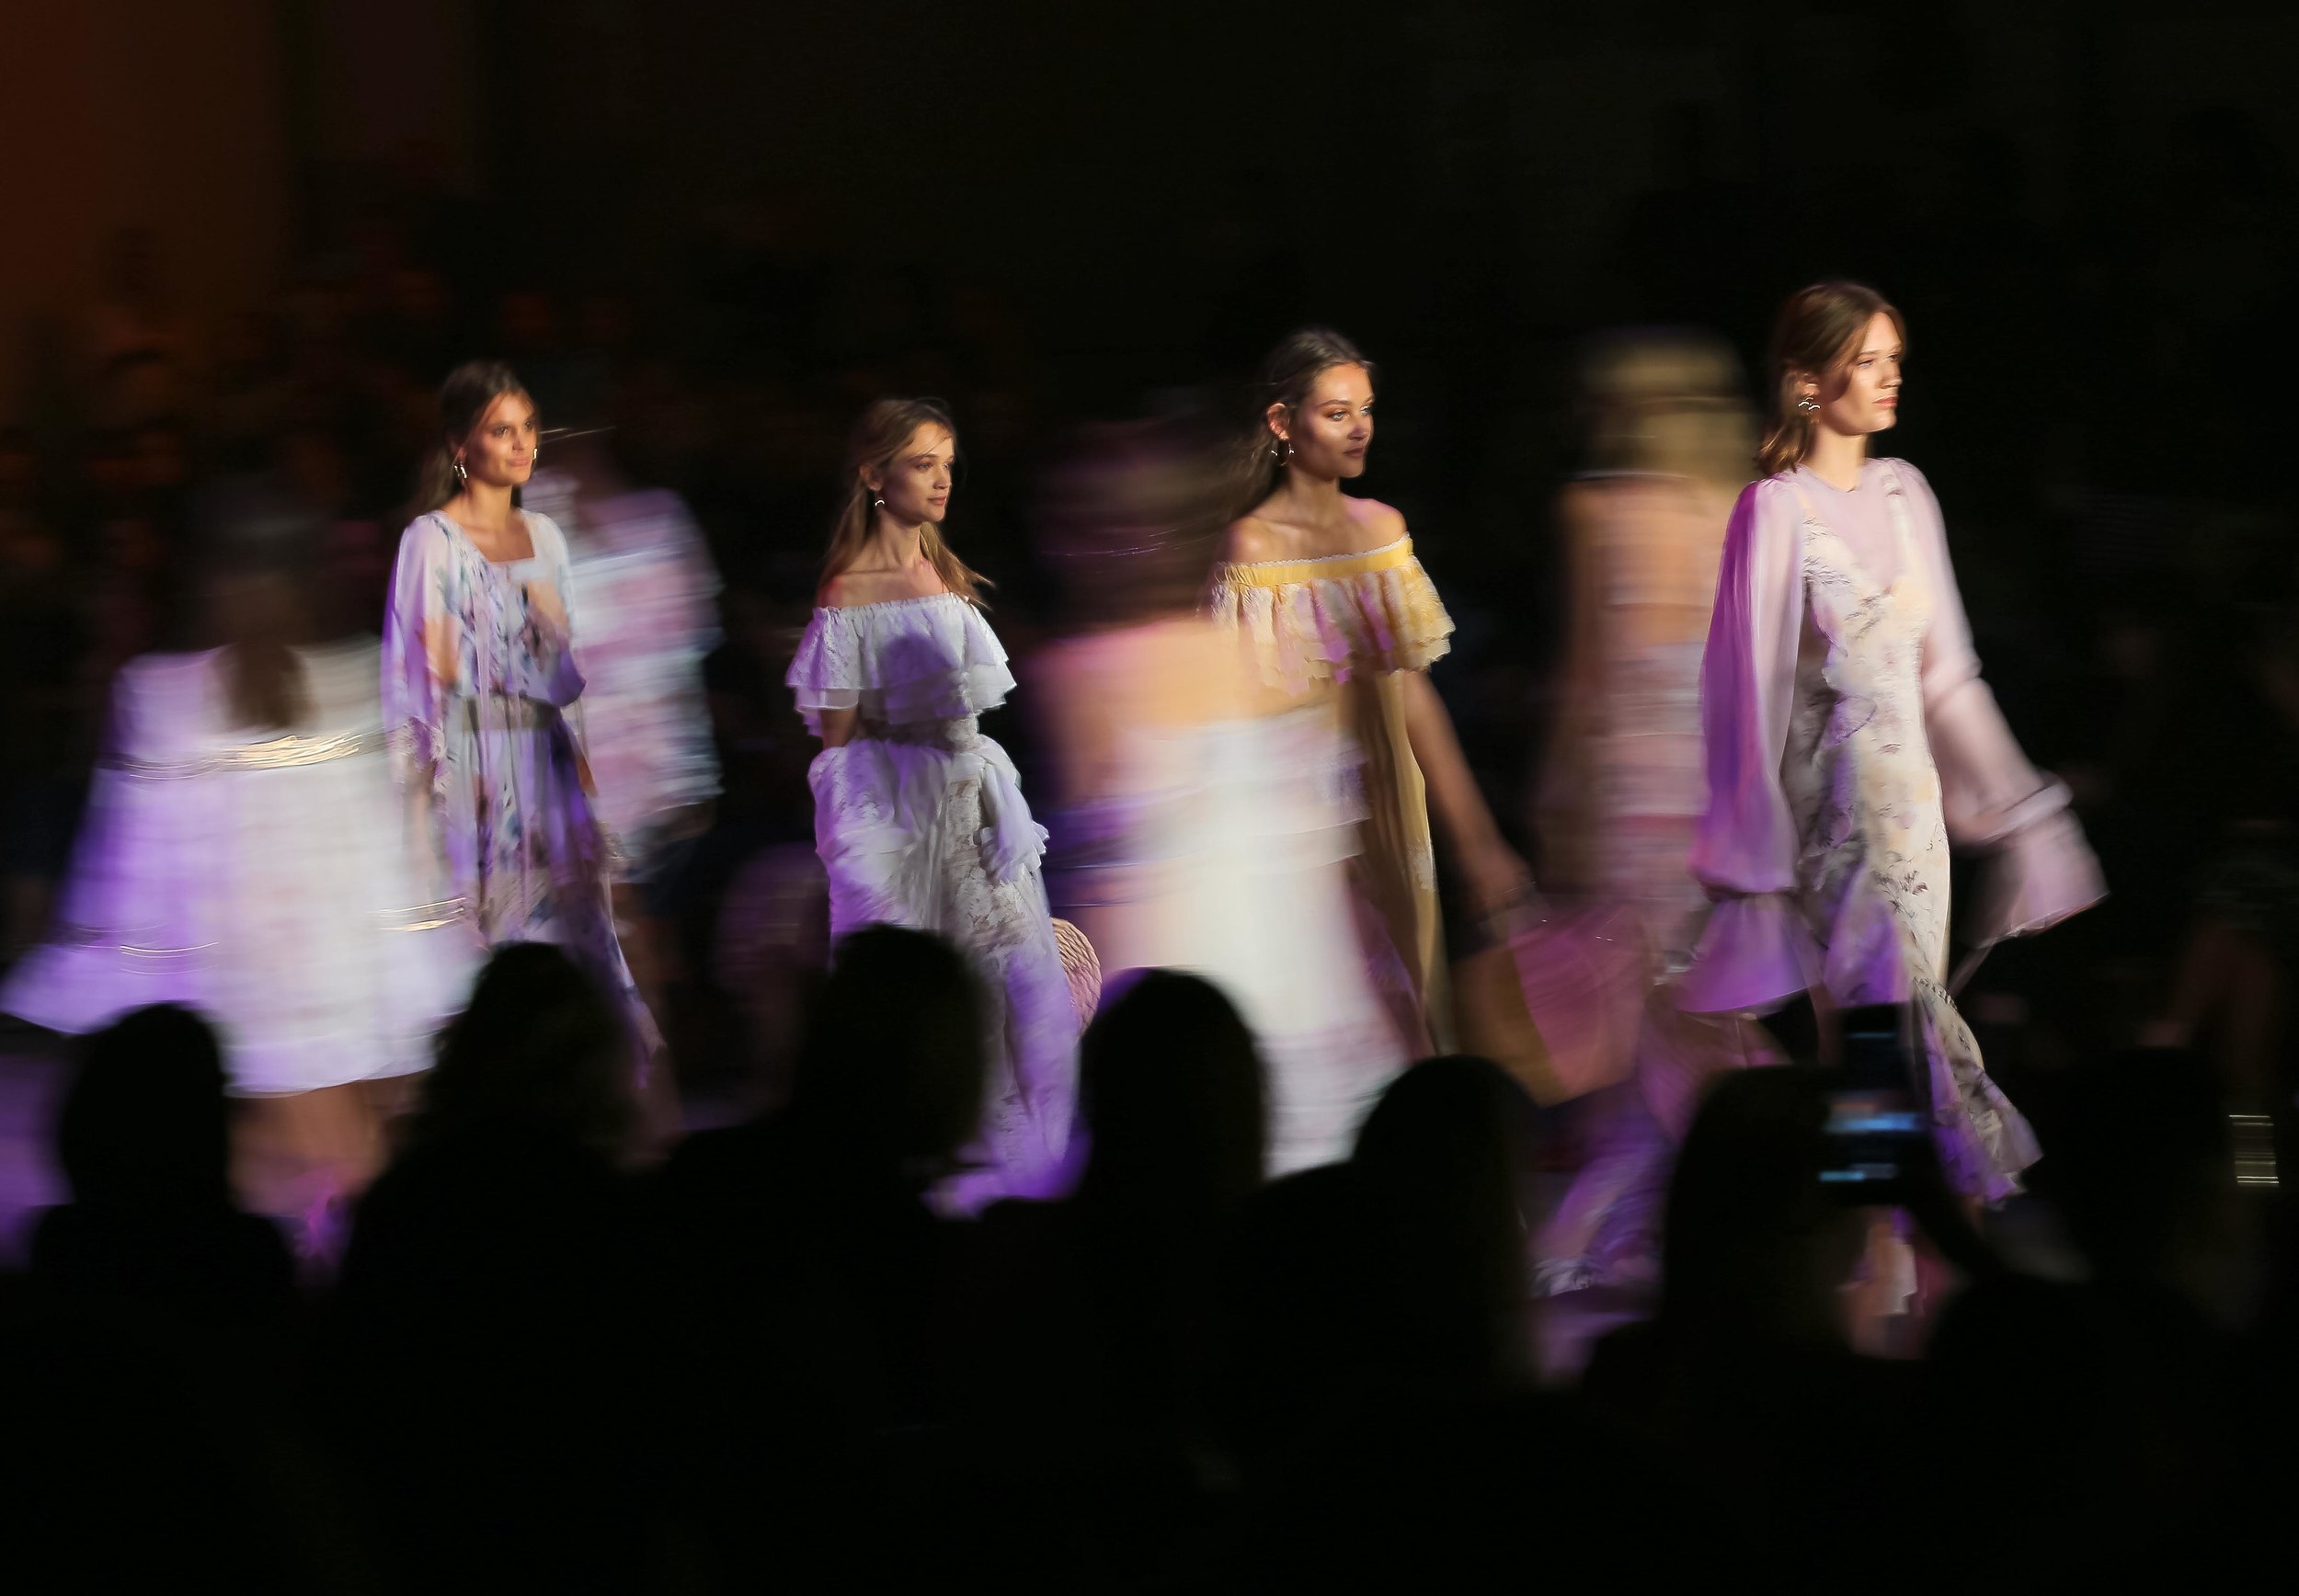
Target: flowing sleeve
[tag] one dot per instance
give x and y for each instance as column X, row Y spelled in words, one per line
column 1994, row 798
column 1755, row 952
column 423, row 656
column 549, row 666
column 825, row 671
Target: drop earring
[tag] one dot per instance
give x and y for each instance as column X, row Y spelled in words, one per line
column 461, row 474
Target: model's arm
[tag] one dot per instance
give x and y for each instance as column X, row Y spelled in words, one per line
column 1495, row 878
column 838, row 727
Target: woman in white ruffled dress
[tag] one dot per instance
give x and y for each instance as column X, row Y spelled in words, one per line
column 918, row 818
column 1208, row 819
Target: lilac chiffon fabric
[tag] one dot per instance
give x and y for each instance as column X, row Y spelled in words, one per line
column 479, row 675
column 1848, row 741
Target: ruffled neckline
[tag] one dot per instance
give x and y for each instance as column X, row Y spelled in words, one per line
column 1332, row 617
column 899, row 661
column 917, row 599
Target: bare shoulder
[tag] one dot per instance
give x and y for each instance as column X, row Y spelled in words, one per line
column 1252, row 540
column 845, row 590
column 1379, row 524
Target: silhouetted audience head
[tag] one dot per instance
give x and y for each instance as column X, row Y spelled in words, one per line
column 1754, row 1241
column 892, row 1067
column 1172, row 1094
column 145, row 1123
column 1435, row 1167
column 540, row 1048
column 145, row 1139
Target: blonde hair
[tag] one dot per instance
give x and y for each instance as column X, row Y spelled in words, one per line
column 1667, row 402
column 880, row 434
column 1816, row 331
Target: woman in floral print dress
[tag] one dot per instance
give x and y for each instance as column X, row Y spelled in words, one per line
column 480, row 680
column 1849, row 739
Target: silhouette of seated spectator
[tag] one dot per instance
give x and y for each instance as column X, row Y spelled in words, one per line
column 2121, row 1387
column 1769, row 1436
column 489, row 1345
column 145, row 1142
column 799, row 1259
column 1082, row 1333
column 1381, row 1389
column 147, row 1361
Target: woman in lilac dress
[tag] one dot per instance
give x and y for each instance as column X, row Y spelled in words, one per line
column 918, row 818
column 1848, row 738
column 479, row 680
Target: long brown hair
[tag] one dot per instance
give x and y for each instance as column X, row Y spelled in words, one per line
column 1287, row 375
column 881, row 434
column 1133, row 518
column 258, row 593
column 463, row 400
column 262, row 614
column 1816, row 330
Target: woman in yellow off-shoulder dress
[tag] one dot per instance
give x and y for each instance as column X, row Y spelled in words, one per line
column 1324, row 591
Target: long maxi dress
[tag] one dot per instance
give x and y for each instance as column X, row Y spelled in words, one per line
column 1345, row 628
column 1620, row 800
column 921, row 822
column 480, row 674
column 1848, row 738
column 260, row 875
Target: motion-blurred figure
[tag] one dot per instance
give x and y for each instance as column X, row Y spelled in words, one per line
column 1208, row 818
column 649, row 594
column 244, row 855
column 1621, row 788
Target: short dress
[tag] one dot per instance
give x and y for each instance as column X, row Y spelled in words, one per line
column 261, row 876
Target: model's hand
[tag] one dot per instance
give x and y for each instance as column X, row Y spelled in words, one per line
column 1496, row 881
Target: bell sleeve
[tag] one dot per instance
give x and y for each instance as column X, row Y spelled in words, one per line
column 1755, row 952
column 423, row 658
column 2041, row 871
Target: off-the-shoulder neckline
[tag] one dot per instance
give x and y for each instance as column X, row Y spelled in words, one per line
column 1389, row 547
column 888, row 604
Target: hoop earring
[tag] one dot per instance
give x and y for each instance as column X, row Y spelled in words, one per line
column 1281, row 458
column 461, row 474
column 877, row 504
column 1809, row 406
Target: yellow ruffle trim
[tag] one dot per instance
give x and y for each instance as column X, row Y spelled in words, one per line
column 1310, row 621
